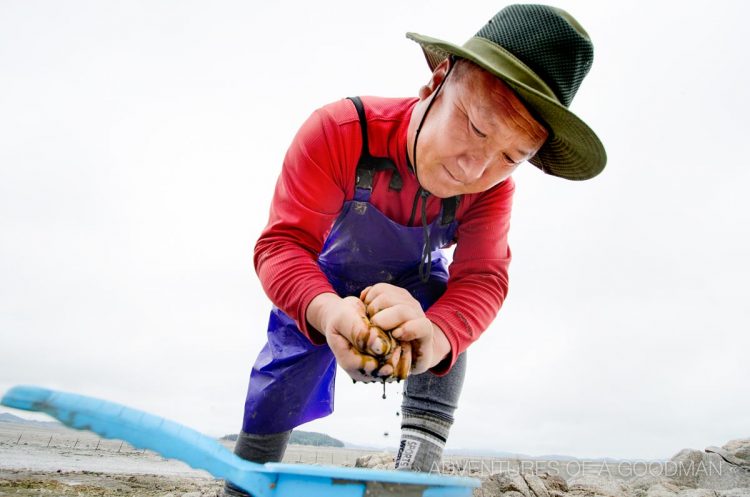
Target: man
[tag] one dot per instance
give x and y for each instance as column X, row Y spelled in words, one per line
column 371, row 189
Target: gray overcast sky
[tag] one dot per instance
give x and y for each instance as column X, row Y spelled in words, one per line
column 139, row 146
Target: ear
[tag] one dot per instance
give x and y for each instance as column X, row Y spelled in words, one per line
column 438, row 75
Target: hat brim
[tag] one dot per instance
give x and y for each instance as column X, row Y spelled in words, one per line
column 572, row 150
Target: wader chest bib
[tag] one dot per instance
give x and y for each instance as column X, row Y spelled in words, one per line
column 292, row 381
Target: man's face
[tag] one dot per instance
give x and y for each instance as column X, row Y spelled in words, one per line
column 476, row 133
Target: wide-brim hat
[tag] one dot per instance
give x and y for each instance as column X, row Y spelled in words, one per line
column 543, row 54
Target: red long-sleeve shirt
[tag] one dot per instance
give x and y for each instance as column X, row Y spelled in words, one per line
column 316, row 179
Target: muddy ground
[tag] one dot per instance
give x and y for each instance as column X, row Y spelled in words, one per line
column 92, row 483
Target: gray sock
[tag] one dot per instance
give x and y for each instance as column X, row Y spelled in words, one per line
column 260, row 449
column 423, row 439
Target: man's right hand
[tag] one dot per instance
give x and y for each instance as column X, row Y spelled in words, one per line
column 353, row 342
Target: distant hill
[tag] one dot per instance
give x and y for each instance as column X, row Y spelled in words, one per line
column 312, row 438
column 304, row 438
column 6, row 417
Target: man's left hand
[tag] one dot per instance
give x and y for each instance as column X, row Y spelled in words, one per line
column 393, row 308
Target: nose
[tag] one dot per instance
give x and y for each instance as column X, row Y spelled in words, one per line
column 470, row 167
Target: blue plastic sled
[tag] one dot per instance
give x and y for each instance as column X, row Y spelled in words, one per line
column 174, row 441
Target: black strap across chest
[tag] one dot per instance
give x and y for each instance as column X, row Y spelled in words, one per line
column 368, row 165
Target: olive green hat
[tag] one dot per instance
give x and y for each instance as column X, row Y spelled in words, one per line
column 543, row 54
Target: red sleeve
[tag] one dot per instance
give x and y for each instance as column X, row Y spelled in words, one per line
column 309, row 196
column 478, row 280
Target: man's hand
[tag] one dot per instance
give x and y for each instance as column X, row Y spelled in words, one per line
column 393, row 308
column 354, row 342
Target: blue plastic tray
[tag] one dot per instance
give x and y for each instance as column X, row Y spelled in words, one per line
column 175, row 441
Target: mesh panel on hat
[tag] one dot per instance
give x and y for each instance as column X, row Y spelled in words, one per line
column 546, row 42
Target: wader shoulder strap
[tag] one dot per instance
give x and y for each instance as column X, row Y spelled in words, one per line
column 450, row 205
column 368, row 165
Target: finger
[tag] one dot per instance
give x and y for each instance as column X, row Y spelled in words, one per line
column 393, row 360
column 385, row 371
column 359, row 377
column 404, row 364
column 394, row 316
column 377, row 302
column 380, row 289
column 387, row 295
column 360, row 339
column 415, row 329
column 379, row 342
column 370, row 293
column 419, row 357
column 356, row 331
column 350, row 359
column 394, row 343
column 399, row 316
column 346, row 354
column 373, row 307
column 363, row 294
column 367, row 365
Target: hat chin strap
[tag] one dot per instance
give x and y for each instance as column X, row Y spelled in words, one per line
column 425, row 263
column 424, row 116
